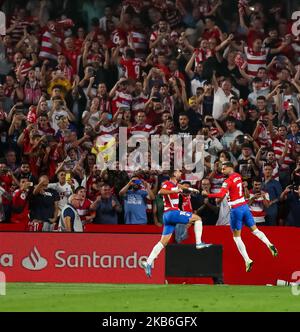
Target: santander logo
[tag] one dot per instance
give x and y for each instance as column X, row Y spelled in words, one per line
column 34, row 261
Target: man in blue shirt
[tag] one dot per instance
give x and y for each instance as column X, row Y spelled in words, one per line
column 291, row 197
column 135, row 195
column 107, row 207
column 274, row 189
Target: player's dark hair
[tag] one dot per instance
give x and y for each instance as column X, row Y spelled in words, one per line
column 79, row 188
column 228, row 164
column 282, row 126
column 211, row 17
column 257, row 79
column 261, row 98
column 230, row 119
column 226, row 153
column 257, row 179
column 130, row 53
column 268, row 165
column 261, row 68
column 171, row 172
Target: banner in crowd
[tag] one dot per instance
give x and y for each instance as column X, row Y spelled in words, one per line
column 60, row 257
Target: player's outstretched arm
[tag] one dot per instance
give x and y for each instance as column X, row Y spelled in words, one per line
column 220, row 194
column 169, row 192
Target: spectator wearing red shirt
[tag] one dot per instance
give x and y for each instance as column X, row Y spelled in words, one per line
column 20, row 203
column 7, row 180
column 79, row 39
column 32, row 88
column 65, row 69
column 141, row 128
column 131, row 64
column 86, row 215
column 211, row 30
column 138, row 39
column 160, row 40
column 44, row 127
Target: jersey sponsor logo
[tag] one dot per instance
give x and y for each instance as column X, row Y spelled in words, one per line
column 34, row 261
column 183, row 213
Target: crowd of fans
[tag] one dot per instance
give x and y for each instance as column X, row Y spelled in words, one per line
column 183, row 67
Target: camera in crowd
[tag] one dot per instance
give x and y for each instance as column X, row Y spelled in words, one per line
column 241, row 139
column 293, row 187
column 137, row 184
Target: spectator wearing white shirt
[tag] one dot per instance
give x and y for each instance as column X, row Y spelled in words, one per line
column 222, row 96
column 65, row 187
column 230, row 134
column 108, row 16
column 258, row 90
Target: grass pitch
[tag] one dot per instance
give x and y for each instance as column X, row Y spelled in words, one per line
column 146, row 298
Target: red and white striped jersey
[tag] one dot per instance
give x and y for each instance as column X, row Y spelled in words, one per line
column 121, row 99
column 256, row 60
column 154, row 36
column 278, row 147
column 83, row 210
column 32, row 92
column 105, row 103
column 257, row 207
column 162, row 46
column 264, row 138
column 141, row 130
column 109, row 130
column 68, row 72
column 168, row 104
column 47, row 49
column 18, row 32
column 138, row 103
column 171, row 201
column 132, row 67
column 138, row 41
column 202, row 55
column 216, row 182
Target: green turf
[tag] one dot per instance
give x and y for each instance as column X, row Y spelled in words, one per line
column 112, row 298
